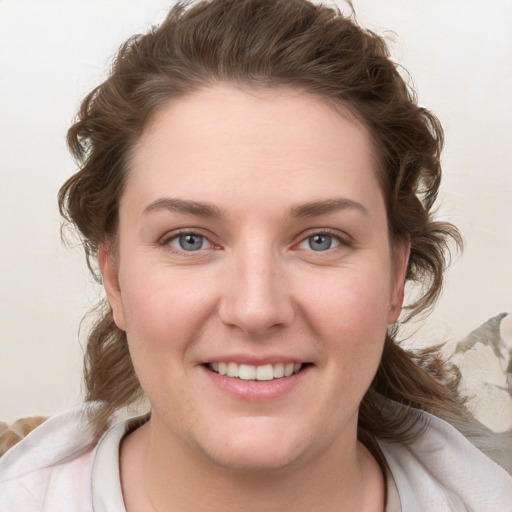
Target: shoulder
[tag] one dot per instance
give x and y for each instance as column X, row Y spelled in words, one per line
column 51, row 467
column 441, row 470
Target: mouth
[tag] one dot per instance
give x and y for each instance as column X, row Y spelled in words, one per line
column 264, row 372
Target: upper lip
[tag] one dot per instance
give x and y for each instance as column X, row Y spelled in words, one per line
column 255, row 360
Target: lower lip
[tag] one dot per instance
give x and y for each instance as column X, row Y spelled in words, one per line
column 257, row 390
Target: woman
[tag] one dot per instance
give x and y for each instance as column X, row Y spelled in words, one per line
column 256, row 184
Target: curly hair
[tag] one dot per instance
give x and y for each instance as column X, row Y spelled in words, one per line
column 265, row 44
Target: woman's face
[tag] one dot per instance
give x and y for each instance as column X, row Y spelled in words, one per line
column 253, row 240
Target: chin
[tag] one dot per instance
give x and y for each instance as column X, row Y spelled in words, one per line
column 252, row 459
column 254, row 447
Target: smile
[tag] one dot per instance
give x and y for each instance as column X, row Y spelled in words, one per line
column 251, row 372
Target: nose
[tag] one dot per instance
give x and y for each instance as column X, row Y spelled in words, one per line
column 256, row 297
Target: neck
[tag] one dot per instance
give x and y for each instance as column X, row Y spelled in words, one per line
column 162, row 475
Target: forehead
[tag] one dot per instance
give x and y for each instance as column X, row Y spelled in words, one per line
column 274, row 138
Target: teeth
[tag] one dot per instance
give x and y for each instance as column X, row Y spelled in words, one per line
column 264, row 372
column 246, row 371
column 278, row 370
column 251, row 372
column 288, row 369
column 233, row 370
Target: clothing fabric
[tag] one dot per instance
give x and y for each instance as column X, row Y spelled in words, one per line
column 61, row 466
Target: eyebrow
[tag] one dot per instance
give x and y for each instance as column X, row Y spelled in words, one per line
column 198, row 208
column 203, row 209
column 317, row 208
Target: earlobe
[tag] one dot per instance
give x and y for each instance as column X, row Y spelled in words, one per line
column 401, row 262
column 110, row 279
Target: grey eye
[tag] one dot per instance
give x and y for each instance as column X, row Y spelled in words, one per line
column 320, row 242
column 190, row 242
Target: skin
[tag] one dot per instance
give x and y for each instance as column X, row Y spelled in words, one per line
column 254, row 290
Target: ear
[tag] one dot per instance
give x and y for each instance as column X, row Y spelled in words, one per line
column 110, row 279
column 401, row 253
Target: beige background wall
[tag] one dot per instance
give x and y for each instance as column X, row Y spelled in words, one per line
column 459, row 53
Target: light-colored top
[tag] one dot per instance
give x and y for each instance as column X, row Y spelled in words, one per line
column 61, row 467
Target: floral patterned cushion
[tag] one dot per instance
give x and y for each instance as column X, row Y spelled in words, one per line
column 484, row 359
column 11, row 434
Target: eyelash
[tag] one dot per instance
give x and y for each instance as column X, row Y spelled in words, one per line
column 174, row 235
column 343, row 240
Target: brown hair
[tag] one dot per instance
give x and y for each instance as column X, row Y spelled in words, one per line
column 268, row 43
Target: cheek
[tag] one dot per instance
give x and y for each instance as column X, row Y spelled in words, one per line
column 349, row 312
column 159, row 328
column 353, row 300
column 165, row 312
